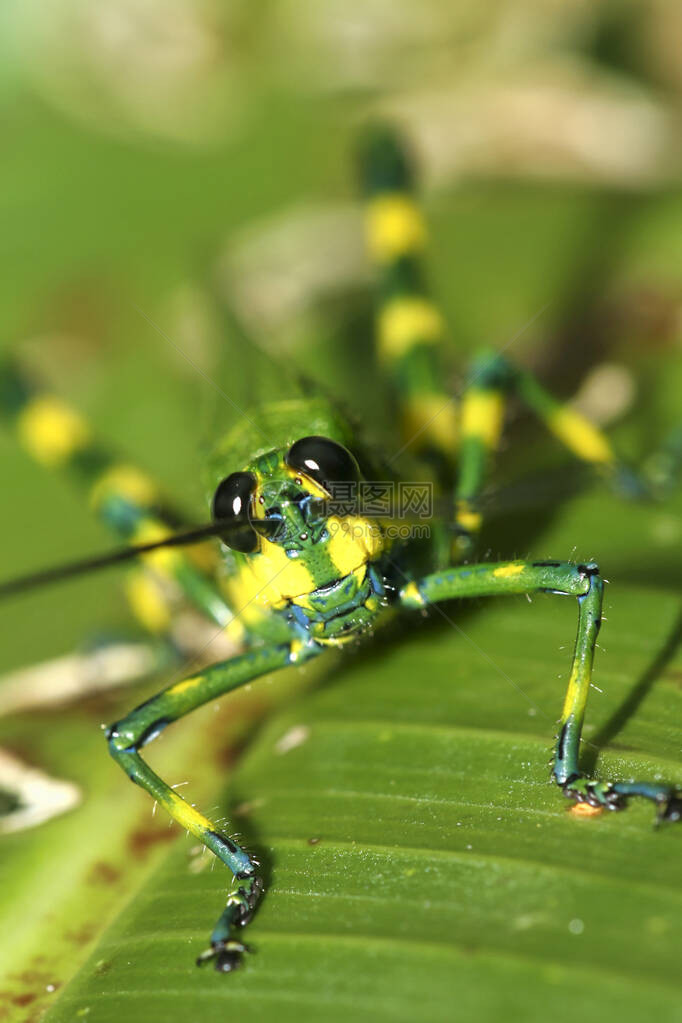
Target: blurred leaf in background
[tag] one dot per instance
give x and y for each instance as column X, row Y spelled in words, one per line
column 155, row 152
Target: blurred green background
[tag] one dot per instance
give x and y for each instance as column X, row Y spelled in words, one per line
column 155, row 151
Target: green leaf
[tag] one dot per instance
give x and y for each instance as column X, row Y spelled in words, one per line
column 418, row 862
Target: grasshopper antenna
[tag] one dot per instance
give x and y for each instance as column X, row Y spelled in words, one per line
column 70, row 570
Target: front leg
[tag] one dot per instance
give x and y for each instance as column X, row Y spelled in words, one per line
column 585, row 583
column 128, row 736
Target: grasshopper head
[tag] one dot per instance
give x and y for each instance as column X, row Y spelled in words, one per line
column 294, row 511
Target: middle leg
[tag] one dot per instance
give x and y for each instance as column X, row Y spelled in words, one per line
column 491, row 378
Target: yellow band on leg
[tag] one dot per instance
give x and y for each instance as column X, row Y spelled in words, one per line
column 394, row 226
column 405, row 322
column 482, row 416
column 51, row 431
column 580, row 436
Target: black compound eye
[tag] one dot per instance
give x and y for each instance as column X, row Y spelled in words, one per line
column 323, row 460
column 231, row 504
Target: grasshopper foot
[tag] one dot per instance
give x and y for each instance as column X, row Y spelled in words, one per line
column 225, row 951
column 225, row 955
column 595, row 793
column 615, row 795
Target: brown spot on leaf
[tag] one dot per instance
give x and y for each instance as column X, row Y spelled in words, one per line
column 103, row 873
column 145, row 837
column 32, row 977
column 24, row 999
column 227, row 754
column 82, row 935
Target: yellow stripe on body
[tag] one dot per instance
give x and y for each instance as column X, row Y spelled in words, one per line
column 482, row 416
column 51, row 431
column 406, row 322
column 270, row 579
column 394, row 227
column 317, row 632
column 267, row 580
column 431, row 419
column 354, row 541
column 580, row 436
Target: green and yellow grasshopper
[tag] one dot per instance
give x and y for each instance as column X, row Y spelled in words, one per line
column 321, row 540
